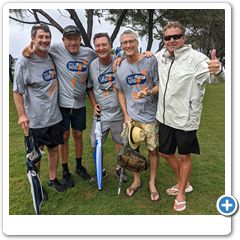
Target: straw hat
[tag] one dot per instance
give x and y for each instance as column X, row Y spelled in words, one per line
column 136, row 135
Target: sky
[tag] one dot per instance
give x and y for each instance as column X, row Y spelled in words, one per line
column 19, row 34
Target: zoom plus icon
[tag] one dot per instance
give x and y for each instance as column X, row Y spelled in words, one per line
column 227, row 205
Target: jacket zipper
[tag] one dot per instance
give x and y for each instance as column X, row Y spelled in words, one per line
column 164, row 107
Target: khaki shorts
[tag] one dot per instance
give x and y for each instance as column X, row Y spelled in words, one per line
column 151, row 134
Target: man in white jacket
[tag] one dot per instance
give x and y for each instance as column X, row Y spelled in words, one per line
column 183, row 73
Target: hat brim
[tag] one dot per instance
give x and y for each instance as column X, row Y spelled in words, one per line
column 71, row 34
column 131, row 143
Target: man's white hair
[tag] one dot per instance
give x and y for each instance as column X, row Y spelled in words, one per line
column 128, row 32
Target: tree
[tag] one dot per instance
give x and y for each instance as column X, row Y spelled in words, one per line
column 40, row 16
column 205, row 28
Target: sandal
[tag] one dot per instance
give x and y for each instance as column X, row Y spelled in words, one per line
column 132, row 190
column 153, row 196
column 173, row 191
column 177, row 203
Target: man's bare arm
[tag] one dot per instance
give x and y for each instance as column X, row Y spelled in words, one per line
column 22, row 116
column 122, row 101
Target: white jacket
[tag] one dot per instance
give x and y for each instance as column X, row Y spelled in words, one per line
column 182, row 82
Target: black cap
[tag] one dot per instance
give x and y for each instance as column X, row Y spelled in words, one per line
column 71, row 30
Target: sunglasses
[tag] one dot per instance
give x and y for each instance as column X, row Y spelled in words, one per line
column 175, row 37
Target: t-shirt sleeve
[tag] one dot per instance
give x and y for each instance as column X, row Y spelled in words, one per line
column 19, row 78
column 93, row 54
column 54, row 48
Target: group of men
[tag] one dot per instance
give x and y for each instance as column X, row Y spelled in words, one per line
column 161, row 94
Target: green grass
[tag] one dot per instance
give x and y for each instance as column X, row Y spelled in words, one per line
column 207, row 175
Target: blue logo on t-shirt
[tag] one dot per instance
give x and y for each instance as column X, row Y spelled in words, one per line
column 49, row 75
column 134, row 79
column 106, row 80
column 76, row 66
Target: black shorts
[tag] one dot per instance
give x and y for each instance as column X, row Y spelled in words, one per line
column 170, row 139
column 49, row 136
column 77, row 118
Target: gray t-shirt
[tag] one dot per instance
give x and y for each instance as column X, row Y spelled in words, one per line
column 132, row 78
column 72, row 74
column 35, row 79
column 102, row 80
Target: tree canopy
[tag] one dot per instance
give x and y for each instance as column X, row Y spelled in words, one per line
column 205, row 28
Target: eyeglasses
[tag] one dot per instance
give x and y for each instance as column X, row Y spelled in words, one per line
column 175, row 37
column 124, row 43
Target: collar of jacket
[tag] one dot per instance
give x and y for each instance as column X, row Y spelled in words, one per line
column 181, row 52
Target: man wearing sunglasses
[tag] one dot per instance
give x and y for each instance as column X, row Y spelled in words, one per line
column 72, row 63
column 183, row 73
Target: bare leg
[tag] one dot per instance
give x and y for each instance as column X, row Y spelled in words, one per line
column 117, row 148
column 135, row 185
column 185, row 171
column 153, row 160
column 53, row 157
column 174, row 163
column 78, row 143
column 64, row 147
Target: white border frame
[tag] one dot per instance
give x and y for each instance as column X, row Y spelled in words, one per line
column 109, row 225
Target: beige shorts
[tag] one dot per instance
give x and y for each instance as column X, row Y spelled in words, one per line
column 151, row 134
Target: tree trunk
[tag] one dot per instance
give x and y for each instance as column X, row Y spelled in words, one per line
column 48, row 17
column 118, row 25
column 74, row 17
column 160, row 46
column 150, row 29
column 89, row 22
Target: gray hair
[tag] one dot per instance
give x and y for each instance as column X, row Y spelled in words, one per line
column 128, row 32
column 38, row 26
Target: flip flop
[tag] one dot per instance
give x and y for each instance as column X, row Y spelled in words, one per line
column 173, row 191
column 133, row 190
column 153, row 195
column 179, row 203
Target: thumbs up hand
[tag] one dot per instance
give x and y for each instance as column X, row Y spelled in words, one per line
column 213, row 54
column 29, row 50
column 214, row 66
